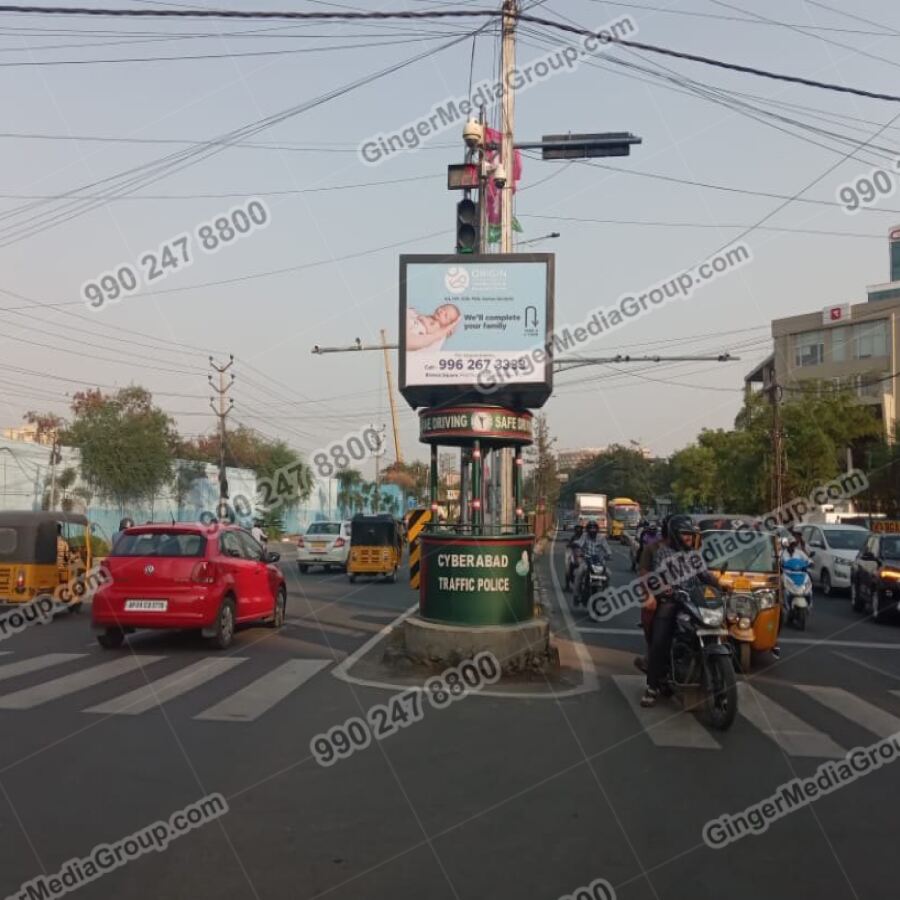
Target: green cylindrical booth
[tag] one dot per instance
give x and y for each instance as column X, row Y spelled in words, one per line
column 478, row 574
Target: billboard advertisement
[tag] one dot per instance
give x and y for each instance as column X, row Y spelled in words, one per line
column 466, row 317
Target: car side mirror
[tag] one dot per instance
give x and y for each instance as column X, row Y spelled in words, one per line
column 272, row 556
column 867, row 555
column 812, row 553
column 236, row 554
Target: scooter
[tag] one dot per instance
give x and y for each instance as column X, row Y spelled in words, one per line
column 798, row 591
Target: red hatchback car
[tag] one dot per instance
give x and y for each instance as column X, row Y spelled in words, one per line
column 188, row 576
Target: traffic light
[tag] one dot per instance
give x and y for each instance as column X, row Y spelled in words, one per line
column 466, row 226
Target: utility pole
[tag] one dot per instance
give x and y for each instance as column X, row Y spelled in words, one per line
column 776, row 392
column 54, row 459
column 222, row 411
column 378, row 454
column 398, row 453
column 503, row 464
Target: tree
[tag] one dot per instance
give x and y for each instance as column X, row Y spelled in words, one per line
column 47, row 424
column 617, row 472
column 542, row 484
column 411, row 478
column 350, row 497
column 125, row 442
column 247, row 449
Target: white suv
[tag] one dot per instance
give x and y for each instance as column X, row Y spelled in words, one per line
column 324, row 544
column 832, row 548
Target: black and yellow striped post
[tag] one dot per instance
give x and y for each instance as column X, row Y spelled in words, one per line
column 418, row 519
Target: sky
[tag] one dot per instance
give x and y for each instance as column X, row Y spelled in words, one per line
column 721, row 152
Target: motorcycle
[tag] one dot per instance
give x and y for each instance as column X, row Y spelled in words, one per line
column 797, row 591
column 594, row 579
column 701, row 660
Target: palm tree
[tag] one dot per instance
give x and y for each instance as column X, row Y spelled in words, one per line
column 349, row 495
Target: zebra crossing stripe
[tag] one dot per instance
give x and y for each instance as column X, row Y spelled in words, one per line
column 666, row 725
column 149, row 696
column 70, row 684
column 249, row 703
column 866, row 715
column 788, row 731
column 36, row 663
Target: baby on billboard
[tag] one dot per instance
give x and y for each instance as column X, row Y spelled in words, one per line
column 430, row 331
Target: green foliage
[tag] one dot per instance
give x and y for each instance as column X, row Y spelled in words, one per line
column 542, row 484
column 247, row 449
column 126, row 444
column 617, row 472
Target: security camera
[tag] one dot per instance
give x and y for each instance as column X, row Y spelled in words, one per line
column 473, row 134
column 499, row 175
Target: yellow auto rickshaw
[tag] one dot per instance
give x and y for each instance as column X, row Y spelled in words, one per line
column 376, row 545
column 745, row 557
column 44, row 554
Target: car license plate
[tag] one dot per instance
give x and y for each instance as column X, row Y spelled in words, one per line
column 318, row 547
column 146, row 605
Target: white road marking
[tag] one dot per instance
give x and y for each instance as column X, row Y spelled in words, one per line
column 811, row 642
column 342, row 670
column 664, row 724
column 867, row 715
column 70, row 684
column 151, row 695
column 588, row 669
column 249, row 703
column 791, row 733
column 36, row 663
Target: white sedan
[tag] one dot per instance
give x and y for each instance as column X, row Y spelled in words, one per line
column 324, row 544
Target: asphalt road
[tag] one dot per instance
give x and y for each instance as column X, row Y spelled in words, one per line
column 522, row 796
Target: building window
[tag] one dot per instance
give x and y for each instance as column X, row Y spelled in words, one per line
column 870, row 339
column 839, row 338
column 809, row 348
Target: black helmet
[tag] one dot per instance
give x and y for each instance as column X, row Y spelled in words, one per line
column 593, row 526
column 126, row 522
column 579, row 528
column 678, row 525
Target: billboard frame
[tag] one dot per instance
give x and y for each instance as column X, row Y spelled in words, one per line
column 532, row 395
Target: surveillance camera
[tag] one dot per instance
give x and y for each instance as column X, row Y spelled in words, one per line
column 315, row 348
column 473, row 134
column 499, row 175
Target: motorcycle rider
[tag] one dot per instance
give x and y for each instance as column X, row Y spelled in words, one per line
column 591, row 543
column 577, row 532
column 682, row 536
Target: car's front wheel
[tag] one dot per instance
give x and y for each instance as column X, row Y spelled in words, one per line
column 825, row 579
column 224, row 625
column 111, row 639
column 280, row 612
